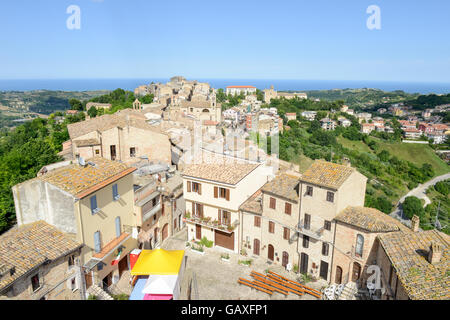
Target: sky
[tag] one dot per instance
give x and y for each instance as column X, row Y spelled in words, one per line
column 254, row 39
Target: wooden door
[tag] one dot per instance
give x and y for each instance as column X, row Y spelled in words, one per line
column 323, row 270
column 224, row 240
column 270, row 252
column 112, row 149
column 285, row 259
column 165, row 231
column 338, row 277
column 88, row 279
column 123, row 265
column 304, row 263
column 198, row 232
column 256, row 245
column 356, row 271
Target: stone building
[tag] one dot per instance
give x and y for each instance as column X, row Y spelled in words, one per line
column 124, row 136
column 214, row 188
column 39, row 262
column 94, row 202
column 355, row 242
column 237, row 90
column 415, row 265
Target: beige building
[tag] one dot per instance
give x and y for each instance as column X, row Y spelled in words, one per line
column 213, row 190
column 94, row 203
column 414, row 266
column 98, row 105
column 356, row 244
column 237, row 90
column 124, row 136
column 39, row 262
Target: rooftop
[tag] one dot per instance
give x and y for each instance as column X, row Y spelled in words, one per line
column 80, row 181
column 253, row 204
column 408, row 254
column 28, row 246
column 327, row 174
column 370, row 219
column 284, row 185
column 216, row 167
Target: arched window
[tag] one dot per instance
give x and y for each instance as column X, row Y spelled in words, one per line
column 359, row 245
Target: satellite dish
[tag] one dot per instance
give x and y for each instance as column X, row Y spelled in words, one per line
column 81, row 161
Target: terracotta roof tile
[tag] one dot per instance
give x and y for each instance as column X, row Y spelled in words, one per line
column 285, row 186
column 327, row 174
column 408, row 254
column 253, row 204
column 370, row 219
column 28, row 246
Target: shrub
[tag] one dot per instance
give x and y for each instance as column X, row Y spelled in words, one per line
column 121, row 296
column 411, row 206
column 246, row 262
column 92, row 297
column 225, row 256
column 207, row 243
column 442, row 187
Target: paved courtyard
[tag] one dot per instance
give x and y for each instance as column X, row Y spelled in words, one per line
column 217, row 279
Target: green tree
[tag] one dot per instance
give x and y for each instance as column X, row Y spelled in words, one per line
column 412, row 206
column 76, row 104
column 92, row 112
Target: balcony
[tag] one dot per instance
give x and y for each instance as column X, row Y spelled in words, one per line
column 151, row 212
column 315, row 234
column 214, row 224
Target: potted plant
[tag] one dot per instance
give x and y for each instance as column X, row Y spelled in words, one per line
column 198, row 249
column 246, row 263
column 188, row 244
column 225, row 257
column 230, row 228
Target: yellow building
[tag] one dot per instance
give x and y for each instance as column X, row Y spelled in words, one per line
column 94, row 203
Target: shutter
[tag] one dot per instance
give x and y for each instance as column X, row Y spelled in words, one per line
column 193, row 209
column 227, row 194
column 201, row 210
column 118, row 231
column 188, row 186
column 115, row 191
column 287, row 208
column 216, row 191
column 93, row 204
column 219, row 216
column 97, row 245
column 199, row 188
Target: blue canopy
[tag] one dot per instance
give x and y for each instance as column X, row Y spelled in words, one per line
column 137, row 294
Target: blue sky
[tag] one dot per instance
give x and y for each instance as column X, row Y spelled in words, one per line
column 322, row 40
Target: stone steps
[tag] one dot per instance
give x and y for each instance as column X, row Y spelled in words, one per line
column 99, row 292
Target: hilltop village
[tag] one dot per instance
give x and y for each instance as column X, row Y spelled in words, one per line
column 182, row 173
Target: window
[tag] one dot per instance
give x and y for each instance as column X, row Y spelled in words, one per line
column 273, row 203
column 307, row 222
column 132, row 152
column 97, row 152
column 286, row 233
column 94, row 207
column 359, row 245
column 330, row 196
column 226, row 217
column 223, row 193
column 71, row 260
column 97, row 243
column 257, row 221
column 118, row 227
column 305, row 241
column 309, row 191
column 325, row 248
column 327, row 225
column 115, row 190
column 287, row 208
column 35, row 282
column 73, row 284
column 271, row 227
column 197, row 210
column 196, row 187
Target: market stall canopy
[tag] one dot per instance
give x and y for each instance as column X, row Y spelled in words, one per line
column 160, row 284
column 137, row 293
column 158, row 297
column 158, row 262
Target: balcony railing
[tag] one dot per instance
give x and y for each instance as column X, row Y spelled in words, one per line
column 152, row 212
column 315, row 234
column 208, row 222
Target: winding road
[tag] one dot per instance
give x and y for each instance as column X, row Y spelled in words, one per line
column 418, row 192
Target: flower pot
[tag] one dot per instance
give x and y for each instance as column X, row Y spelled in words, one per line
column 198, row 252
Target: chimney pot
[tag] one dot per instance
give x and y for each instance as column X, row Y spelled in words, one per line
column 415, row 222
column 435, row 253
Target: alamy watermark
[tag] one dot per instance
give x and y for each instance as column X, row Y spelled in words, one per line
column 374, row 20
column 73, row 22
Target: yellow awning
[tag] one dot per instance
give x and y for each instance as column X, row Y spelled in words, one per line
column 158, row 261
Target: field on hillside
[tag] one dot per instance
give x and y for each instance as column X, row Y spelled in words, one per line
column 415, row 153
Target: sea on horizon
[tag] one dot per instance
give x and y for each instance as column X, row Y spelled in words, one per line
column 280, row 85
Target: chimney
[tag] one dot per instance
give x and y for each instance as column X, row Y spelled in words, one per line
column 435, row 253
column 415, row 222
column 346, row 162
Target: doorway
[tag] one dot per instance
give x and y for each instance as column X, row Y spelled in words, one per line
column 112, row 149
column 338, row 276
column 270, row 252
column 285, row 259
column 256, row 245
column 198, row 232
column 324, row 270
column 304, row 263
column 356, row 271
